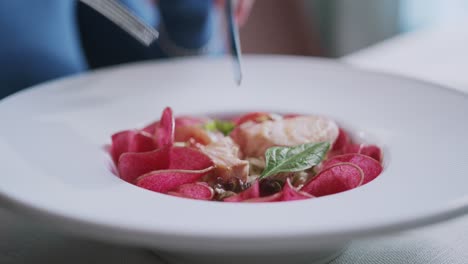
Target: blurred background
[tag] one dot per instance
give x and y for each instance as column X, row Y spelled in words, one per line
column 334, row 28
column 47, row 39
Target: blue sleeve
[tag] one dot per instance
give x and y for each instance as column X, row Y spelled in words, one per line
column 39, row 42
column 190, row 27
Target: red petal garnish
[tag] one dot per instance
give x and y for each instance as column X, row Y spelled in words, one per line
column 132, row 165
column 165, row 131
column 368, row 150
column 290, row 193
column 336, row 178
column 199, row 191
column 130, row 141
column 250, row 193
column 257, row 117
column 164, row 181
column 371, row 167
column 341, row 141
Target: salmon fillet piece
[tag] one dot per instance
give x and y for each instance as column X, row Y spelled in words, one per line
column 255, row 138
column 224, row 153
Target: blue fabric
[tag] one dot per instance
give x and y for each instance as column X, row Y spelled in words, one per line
column 45, row 39
column 192, row 30
column 39, row 42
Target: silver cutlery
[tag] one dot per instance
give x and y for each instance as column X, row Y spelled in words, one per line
column 126, row 20
column 234, row 41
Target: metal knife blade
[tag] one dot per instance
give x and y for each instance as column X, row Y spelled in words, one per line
column 234, row 41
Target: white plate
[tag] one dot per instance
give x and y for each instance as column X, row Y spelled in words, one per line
column 54, row 167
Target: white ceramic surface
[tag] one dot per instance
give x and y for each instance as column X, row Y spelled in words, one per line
column 54, row 167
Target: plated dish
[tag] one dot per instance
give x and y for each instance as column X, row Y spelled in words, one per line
column 54, row 168
column 255, row 157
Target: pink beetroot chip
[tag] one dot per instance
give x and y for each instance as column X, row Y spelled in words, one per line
column 251, row 193
column 368, row 150
column 181, row 121
column 142, row 142
column 290, row 193
column 373, row 152
column 336, row 178
column 151, row 128
column 352, row 148
column 164, row 132
column 371, row 167
column 341, row 141
column 164, row 181
column 277, row 197
column 120, row 144
column 130, row 141
column 185, row 158
column 198, row 191
column 132, row 165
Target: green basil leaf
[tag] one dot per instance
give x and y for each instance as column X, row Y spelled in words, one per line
column 294, row 159
column 224, row 127
column 210, row 126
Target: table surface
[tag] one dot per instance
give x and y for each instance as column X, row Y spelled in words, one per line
column 437, row 54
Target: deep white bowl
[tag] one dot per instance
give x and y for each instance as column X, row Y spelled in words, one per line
column 55, row 169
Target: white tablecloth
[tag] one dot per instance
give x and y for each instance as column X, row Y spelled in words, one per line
column 439, row 55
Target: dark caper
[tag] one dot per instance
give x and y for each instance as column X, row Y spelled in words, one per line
column 269, row 187
column 234, row 185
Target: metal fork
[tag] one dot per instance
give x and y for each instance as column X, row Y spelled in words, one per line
column 126, row 20
column 146, row 34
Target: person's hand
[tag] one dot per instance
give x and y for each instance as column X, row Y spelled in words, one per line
column 243, row 8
